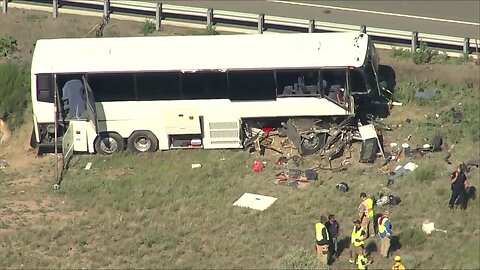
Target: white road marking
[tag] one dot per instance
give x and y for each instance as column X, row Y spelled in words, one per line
column 373, row 12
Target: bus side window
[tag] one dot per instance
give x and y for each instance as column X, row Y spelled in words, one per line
column 251, row 85
column 112, row 86
column 45, row 88
column 297, row 82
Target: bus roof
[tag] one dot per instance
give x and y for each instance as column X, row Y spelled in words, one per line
column 218, row 52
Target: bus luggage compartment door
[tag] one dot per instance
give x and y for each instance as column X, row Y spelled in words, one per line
column 182, row 121
column 221, row 132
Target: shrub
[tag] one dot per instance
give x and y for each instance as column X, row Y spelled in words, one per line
column 401, row 53
column 412, row 237
column 423, row 55
column 423, row 174
column 8, row 45
column 300, row 259
column 14, row 93
column 210, row 30
column 441, row 57
column 148, row 27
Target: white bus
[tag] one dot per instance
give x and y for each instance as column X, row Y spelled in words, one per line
column 159, row 93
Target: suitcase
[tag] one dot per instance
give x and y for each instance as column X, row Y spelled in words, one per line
column 368, row 154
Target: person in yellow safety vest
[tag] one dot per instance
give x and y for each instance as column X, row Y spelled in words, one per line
column 322, row 240
column 358, row 237
column 365, row 212
column 362, row 261
column 385, row 232
column 398, row 264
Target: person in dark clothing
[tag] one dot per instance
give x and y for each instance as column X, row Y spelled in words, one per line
column 375, row 223
column 333, row 228
column 458, row 181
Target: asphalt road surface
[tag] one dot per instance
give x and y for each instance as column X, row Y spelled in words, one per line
column 450, row 18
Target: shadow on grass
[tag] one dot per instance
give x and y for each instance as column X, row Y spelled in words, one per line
column 343, row 244
column 395, row 244
column 371, row 247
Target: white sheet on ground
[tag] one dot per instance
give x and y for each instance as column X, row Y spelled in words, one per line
column 255, row 201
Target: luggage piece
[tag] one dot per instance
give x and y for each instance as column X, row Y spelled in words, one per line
column 368, row 154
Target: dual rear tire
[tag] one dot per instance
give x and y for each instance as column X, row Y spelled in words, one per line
column 108, row 143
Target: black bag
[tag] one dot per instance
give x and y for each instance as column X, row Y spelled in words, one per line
column 342, row 186
column 368, row 154
column 311, row 174
column 437, row 143
column 393, row 200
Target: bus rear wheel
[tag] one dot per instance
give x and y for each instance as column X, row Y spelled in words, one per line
column 312, row 143
column 142, row 141
column 109, row 143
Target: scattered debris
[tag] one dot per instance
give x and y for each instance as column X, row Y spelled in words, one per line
column 88, row 166
column 425, row 93
column 258, row 165
column 282, row 161
column 473, row 162
column 255, row 201
column 294, row 177
column 3, row 164
column 428, row 227
column 457, row 115
column 342, row 186
column 196, row 165
column 371, row 143
column 387, row 200
column 400, row 171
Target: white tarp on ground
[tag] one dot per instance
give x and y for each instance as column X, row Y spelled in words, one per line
column 255, row 201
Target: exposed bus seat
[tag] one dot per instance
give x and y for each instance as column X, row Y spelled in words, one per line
column 74, row 92
column 288, row 90
column 310, row 89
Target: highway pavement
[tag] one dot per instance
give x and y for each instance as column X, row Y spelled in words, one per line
column 449, row 18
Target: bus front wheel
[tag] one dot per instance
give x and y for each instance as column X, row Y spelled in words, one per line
column 109, row 143
column 142, row 141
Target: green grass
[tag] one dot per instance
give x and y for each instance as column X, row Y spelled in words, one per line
column 14, row 92
column 154, row 211
column 148, row 27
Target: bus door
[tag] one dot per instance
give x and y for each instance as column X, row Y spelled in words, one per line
column 91, row 110
column 90, row 102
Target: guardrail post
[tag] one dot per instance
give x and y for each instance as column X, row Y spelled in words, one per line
column 414, row 41
column 106, row 8
column 311, row 26
column 55, row 9
column 158, row 16
column 261, row 23
column 466, row 47
column 363, row 29
column 4, row 6
column 209, row 18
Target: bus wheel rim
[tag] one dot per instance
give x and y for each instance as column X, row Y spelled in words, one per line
column 142, row 144
column 311, row 143
column 109, row 145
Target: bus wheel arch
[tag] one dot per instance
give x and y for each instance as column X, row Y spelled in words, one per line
column 142, row 141
column 108, row 143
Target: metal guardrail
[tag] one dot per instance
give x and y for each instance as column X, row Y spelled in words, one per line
column 263, row 22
